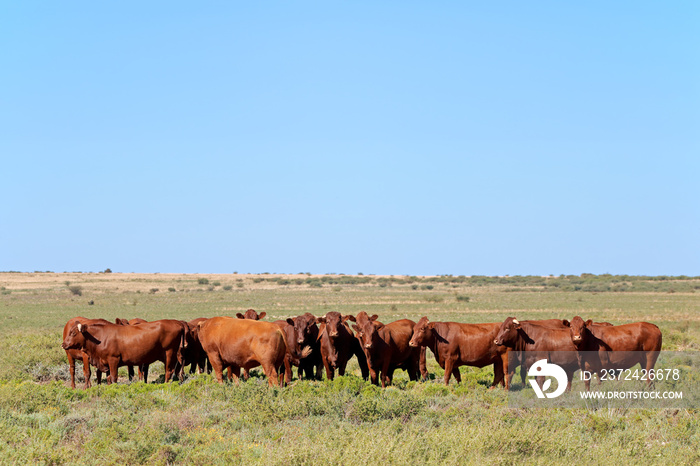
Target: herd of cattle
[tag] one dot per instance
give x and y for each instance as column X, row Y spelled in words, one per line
column 313, row 343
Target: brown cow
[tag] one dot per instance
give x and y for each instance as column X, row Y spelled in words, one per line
column 119, row 345
column 386, row 347
column 531, row 342
column 251, row 314
column 615, row 347
column 298, row 353
column 73, row 354
column 455, row 344
column 197, row 357
column 244, row 343
column 338, row 344
column 514, row 357
column 130, row 369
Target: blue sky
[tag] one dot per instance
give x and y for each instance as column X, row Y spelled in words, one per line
column 485, row 138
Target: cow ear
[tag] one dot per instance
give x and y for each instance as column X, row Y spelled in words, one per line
column 349, row 317
column 374, row 317
column 321, row 320
column 566, row 323
column 239, row 315
column 82, row 328
column 262, row 315
column 589, row 322
column 431, row 325
column 378, row 325
column 356, row 327
column 320, row 331
column 290, row 321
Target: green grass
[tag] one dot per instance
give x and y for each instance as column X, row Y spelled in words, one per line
column 346, row 421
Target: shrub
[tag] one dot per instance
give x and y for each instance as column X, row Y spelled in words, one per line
column 414, row 287
column 239, row 284
column 172, row 290
column 228, row 287
column 153, row 290
column 463, row 298
column 108, row 271
column 203, row 281
column 76, row 290
column 216, row 283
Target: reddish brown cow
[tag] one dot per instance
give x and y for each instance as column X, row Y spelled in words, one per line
column 73, row 354
column 251, row 314
column 243, row 343
column 614, row 347
column 338, row 344
column 130, row 369
column 514, row 357
column 386, row 347
column 531, row 342
column 120, row 345
column 455, row 344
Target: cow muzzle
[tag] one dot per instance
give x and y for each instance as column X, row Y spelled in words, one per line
column 577, row 338
column 333, row 334
column 368, row 345
column 300, row 341
column 412, row 344
column 64, row 346
column 496, row 342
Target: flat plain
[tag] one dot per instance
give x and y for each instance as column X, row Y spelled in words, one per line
column 345, row 421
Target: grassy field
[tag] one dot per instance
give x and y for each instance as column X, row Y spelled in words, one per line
column 343, row 421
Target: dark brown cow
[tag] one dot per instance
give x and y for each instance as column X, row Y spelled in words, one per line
column 197, row 357
column 306, row 354
column 243, row 343
column 531, row 342
column 73, row 354
column 614, row 347
column 386, row 347
column 306, row 334
column 251, row 314
column 455, row 344
column 122, row 345
column 338, row 344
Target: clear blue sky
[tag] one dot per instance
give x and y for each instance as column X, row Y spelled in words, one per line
column 341, row 137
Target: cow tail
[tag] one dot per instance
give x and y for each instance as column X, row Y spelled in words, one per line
column 184, row 336
column 422, row 363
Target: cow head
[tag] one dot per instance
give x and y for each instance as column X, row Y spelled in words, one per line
column 76, row 337
column 579, row 330
column 422, row 333
column 366, row 328
column 305, row 328
column 334, row 322
column 251, row 314
column 508, row 332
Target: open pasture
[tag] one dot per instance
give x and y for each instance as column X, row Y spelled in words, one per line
column 344, row 421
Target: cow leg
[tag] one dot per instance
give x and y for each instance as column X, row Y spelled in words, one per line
column 319, row 368
column 144, row 370
column 329, row 371
column 71, row 369
column 373, row 376
column 449, row 366
column 650, row 362
column 98, row 376
column 246, row 374
column 362, row 362
column 229, row 374
column 287, row 369
column 384, row 374
column 218, row 367
column 130, row 370
column 234, row 373
column 113, row 370
column 569, row 379
column 497, row 373
column 422, row 366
